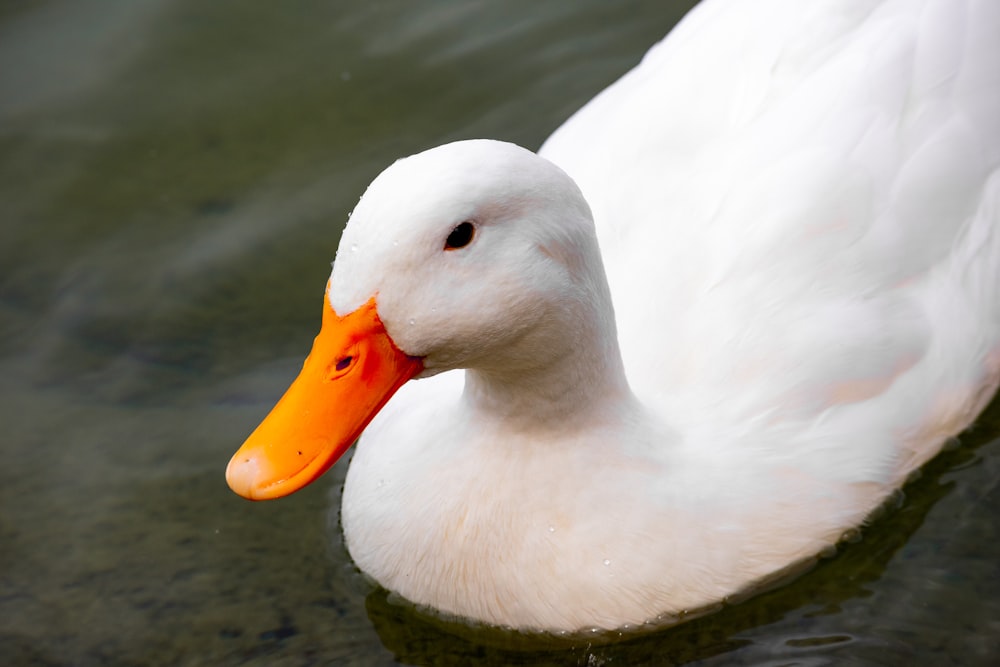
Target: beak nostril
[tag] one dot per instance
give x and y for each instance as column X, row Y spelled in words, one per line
column 342, row 365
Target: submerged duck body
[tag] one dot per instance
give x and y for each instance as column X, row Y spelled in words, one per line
column 728, row 308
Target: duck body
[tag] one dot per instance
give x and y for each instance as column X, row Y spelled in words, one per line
column 739, row 298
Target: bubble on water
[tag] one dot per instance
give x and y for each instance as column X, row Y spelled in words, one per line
column 851, row 536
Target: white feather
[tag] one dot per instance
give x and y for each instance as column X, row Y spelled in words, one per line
column 797, row 207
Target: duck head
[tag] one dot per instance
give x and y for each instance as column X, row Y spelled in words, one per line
column 476, row 254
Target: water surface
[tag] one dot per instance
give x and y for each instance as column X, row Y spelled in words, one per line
column 173, row 180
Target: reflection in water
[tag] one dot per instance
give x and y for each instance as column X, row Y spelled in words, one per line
column 173, row 178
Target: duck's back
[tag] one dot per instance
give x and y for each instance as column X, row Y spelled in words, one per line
column 798, row 206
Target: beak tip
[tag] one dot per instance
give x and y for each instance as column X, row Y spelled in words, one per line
column 242, row 474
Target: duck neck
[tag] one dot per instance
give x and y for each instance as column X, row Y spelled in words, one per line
column 567, row 370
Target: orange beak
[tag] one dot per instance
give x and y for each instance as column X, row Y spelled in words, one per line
column 353, row 369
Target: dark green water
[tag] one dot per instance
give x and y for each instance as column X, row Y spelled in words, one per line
column 173, row 180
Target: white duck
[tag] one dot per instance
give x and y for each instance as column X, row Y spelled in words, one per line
column 798, row 209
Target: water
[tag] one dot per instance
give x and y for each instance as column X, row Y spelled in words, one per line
column 173, row 179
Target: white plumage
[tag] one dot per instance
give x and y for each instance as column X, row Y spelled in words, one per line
column 797, row 207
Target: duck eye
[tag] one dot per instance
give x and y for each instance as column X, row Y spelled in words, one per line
column 461, row 236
